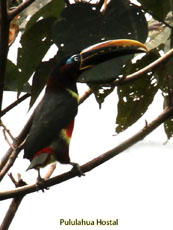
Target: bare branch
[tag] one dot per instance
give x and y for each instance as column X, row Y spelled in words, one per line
column 14, row 204
column 17, row 102
column 87, row 93
column 11, row 213
column 5, row 130
column 167, row 113
column 7, row 140
column 4, row 33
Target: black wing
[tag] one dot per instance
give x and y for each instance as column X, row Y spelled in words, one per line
column 54, row 113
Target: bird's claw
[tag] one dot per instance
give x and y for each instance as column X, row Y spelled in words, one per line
column 77, row 168
column 40, row 182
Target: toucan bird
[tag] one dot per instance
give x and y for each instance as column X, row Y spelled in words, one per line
column 53, row 122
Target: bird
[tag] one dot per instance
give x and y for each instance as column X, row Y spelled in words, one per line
column 53, row 120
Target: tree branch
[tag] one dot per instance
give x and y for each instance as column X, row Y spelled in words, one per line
column 11, row 212
column 17, row 200
column 19, row 9
column 10, row 158
column 167, row 113
column 5, row 132
column 87, row 93
column 17, row 102
column 14, row 204
column 4, row 33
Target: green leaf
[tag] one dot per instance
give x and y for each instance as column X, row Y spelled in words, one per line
column 35, row 43
column 78, row 28
column 137, row 95
column 158, row 8
column 12, row 77
column 120, row 20
column 100, row 92
column 124, row 20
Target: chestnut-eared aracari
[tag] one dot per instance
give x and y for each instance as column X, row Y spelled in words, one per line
column 53, row 121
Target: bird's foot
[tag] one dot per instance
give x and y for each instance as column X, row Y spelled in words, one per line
column 77, row 168
column 40, row 182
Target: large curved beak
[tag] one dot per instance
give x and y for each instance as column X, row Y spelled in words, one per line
column 104, row 51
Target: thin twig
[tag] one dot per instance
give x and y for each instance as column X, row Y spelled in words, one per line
column 7, row 140
column 17, row 102
column 167, row 113
column 87, row 93
column 7, row 130
column 12, row 179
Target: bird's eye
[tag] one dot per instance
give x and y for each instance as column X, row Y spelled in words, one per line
column 76, row 58
column 72, row 59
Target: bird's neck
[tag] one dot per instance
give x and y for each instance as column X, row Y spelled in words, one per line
column 62, row 79
column 54, row 85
